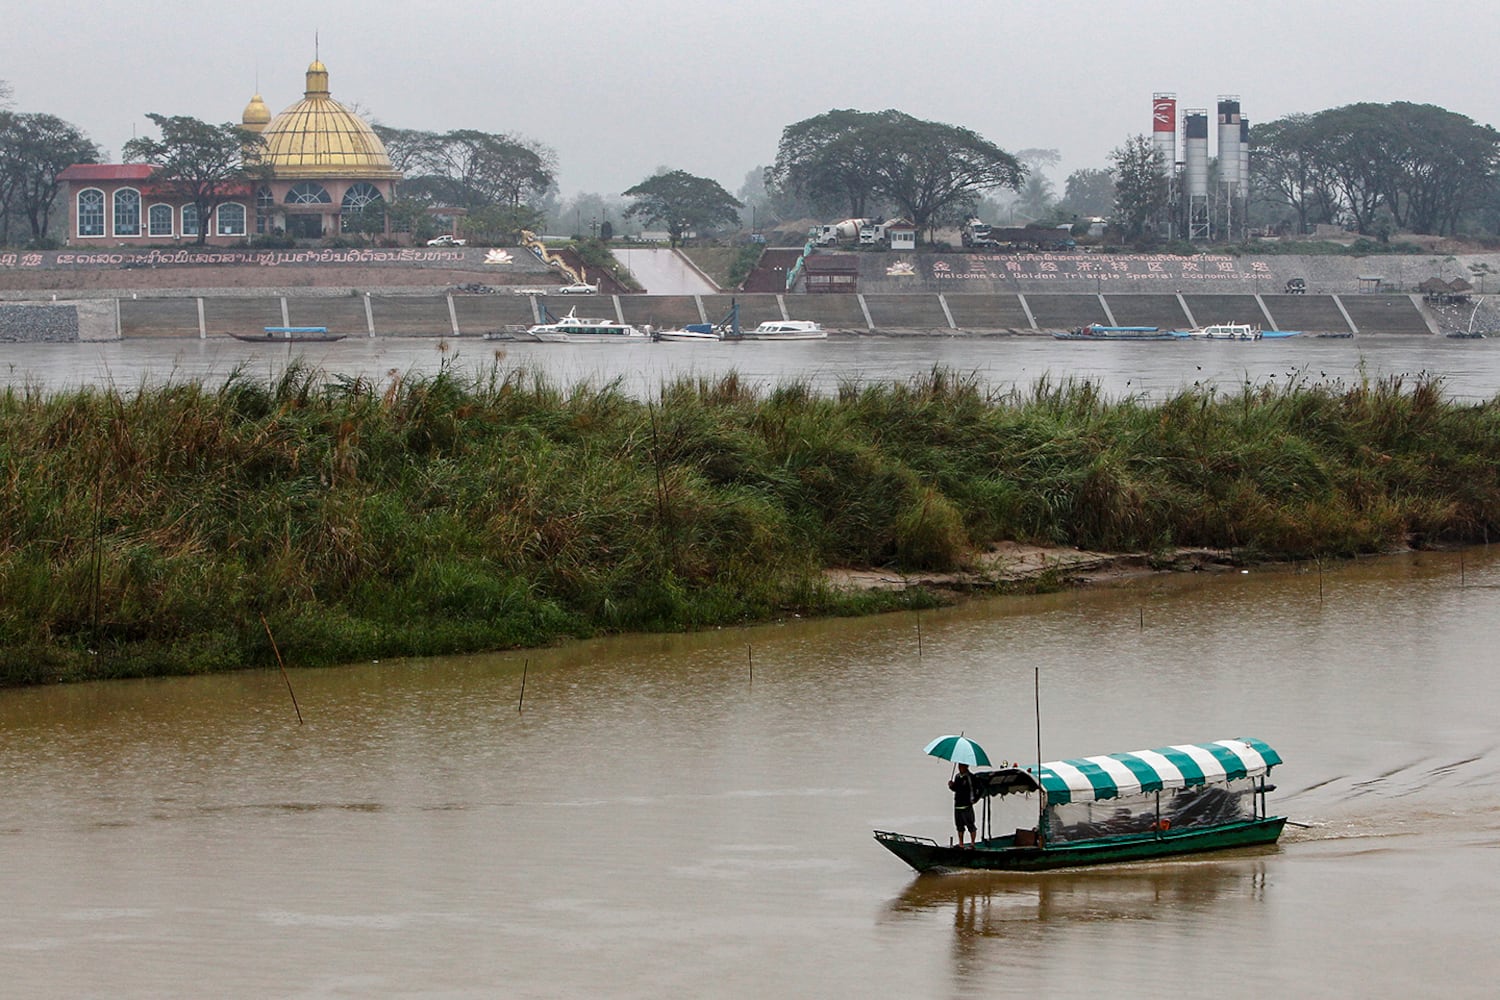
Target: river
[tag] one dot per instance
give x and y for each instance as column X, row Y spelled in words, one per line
column 690, row 815
column 1470, row 369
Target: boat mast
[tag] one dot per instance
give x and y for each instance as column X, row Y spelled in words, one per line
column 1041, row 796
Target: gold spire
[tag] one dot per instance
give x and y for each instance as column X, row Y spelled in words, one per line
column 317, row 79
column 257, row 116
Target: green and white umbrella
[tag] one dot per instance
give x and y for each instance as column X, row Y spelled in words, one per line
column 960, row 750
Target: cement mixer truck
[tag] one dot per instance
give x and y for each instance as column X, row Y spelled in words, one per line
column 838, row 232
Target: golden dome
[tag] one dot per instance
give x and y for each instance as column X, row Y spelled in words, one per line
column 319, row 137
column 257, row 116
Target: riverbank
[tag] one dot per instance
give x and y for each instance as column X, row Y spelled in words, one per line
column 176, row 528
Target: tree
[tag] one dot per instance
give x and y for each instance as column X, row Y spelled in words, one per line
column 202, row 163
column 409, row 149
column 1288, row 167
column 682, row 202
column 470, row 169
column 929, row 169
column 831, row 160
column 926, row 170
column 34, row 149
column 1089, row 192
column 1036, row 198
column 1416, row 167
column 501, row 225
column 1140, row 186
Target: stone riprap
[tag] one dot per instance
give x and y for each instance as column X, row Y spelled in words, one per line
column 38, row 324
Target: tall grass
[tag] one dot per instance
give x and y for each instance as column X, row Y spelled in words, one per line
column 148, row 531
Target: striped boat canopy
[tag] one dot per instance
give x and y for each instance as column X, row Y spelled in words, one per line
column 1089, row 778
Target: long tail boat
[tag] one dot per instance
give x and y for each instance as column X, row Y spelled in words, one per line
column 1120, row 807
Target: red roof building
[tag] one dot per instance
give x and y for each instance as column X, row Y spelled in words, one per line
column 326, row 165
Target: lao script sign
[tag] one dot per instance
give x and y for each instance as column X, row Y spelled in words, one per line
column 210, row 256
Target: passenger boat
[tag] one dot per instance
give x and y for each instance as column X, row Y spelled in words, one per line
column 1094, row 331
column 573, row 329
column 1222, row 331
column 689, row 333
column 1134, row 806
column 786, row 329
column 292, row 334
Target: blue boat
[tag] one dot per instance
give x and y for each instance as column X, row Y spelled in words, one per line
column 1135, row 806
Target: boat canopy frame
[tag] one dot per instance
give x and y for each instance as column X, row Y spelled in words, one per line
column 1130, row 775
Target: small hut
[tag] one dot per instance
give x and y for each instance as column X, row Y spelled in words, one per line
column 832, row 273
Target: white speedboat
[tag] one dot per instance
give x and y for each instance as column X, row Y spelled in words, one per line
column 573, row 329
column 787, row 329
column 1223, row 331
column 691, row 332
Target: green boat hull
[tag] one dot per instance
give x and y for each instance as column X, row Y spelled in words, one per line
column 1001, row 854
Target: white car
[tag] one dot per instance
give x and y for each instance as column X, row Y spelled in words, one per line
column 528, row 291
column 578, row 289
column 446, row 240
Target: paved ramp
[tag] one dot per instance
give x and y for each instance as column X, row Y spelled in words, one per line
column 664, row 272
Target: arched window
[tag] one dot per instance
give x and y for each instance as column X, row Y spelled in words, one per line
column 159, row 220
column 265, row 207
column 127, row 212
column 363, row 209
column 308, row 193
column 190, row 220
column 231, row 219
column 91, row 212
column 360, row 196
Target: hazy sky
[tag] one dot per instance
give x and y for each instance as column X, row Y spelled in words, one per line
column 620, row 88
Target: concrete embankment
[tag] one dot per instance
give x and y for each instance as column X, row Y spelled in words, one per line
column 458, row 293
column 454, row 314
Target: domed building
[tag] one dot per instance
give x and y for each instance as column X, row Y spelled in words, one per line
column 326, row 163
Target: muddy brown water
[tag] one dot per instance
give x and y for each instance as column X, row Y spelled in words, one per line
column 691, row 815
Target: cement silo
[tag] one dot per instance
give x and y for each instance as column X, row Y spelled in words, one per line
column 1195, row 170
column 1244, row 157
column 1164, row 129
column 1229, row 140
column 1164, row 142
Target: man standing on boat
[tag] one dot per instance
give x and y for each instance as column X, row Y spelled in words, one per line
column 962, row 785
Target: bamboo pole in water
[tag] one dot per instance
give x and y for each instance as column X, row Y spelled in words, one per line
column 282, row 663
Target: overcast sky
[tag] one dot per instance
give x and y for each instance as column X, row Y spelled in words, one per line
column 620, row 87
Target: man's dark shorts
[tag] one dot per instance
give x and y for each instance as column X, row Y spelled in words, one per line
column 963, row 818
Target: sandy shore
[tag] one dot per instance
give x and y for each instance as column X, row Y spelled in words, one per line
column 1009, row 563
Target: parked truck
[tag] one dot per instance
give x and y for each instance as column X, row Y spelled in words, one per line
column 838, row 232
column 977, row 234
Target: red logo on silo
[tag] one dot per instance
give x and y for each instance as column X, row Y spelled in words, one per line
column 1164, row 115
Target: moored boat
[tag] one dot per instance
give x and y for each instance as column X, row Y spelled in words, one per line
column 1095, row 331
column 572, row 329
column 290, row 334
column 1135, row 806
column 691, row 332
column 1221, row 331
column 786, row 329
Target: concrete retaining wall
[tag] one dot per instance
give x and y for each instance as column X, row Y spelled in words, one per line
column 475, row 315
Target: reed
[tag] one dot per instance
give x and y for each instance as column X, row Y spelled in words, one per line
column 148, row 531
